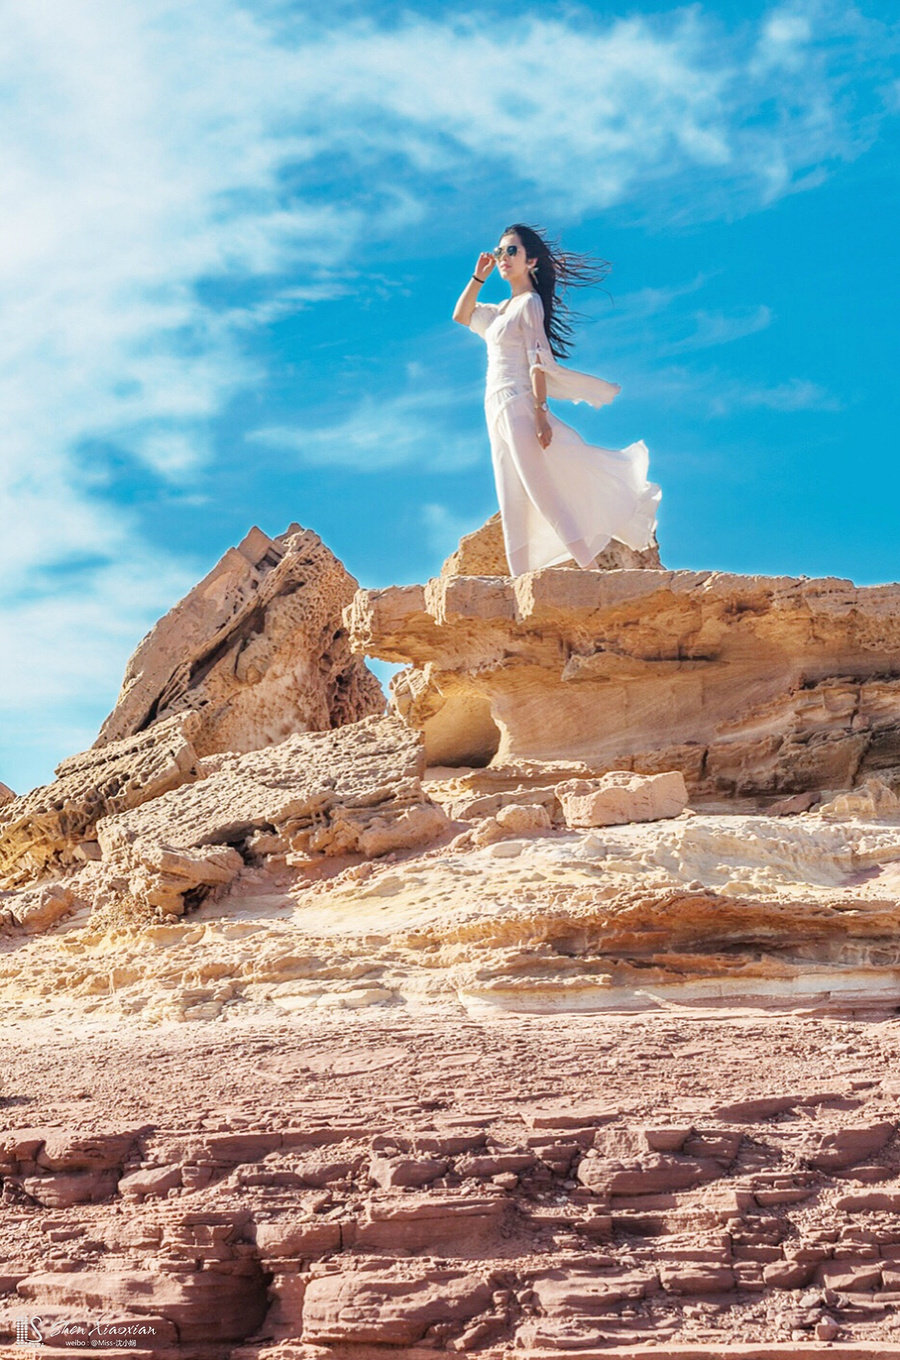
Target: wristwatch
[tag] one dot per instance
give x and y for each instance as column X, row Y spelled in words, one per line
column 541, row 406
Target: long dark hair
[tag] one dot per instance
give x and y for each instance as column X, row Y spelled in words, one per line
column 556, row 271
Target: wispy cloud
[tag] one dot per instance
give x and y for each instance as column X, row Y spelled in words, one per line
column 709, row 329
column 175, row 177
column 797, row 394
column 62, row 644
column 412, row 428
column 444, row 527
column 653, row 326
column 584, row 110
column 717, row 394
column 656, row 321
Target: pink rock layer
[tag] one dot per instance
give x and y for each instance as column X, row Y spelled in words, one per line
column 657, row 1185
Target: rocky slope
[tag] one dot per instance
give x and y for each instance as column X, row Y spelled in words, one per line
column 317, row 1050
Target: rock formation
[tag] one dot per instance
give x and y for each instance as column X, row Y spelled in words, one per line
column 257, row 649
column 144, row 821
column 582, row 1042
column 353, row 791
column 551, row 1191
column 620, row 797
column 53, row 828
column 749, row 685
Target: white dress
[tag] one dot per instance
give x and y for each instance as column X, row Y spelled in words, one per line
column 570, row 499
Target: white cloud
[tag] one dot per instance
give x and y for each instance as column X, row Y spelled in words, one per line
column 797, row 394
column 651, row 326
column 784, row 40
column 62, row 649
column 708, row 329
column 47, row 642
column 587, row 111
column 139, row 155
column 411, row 428
column 718, row 394
column 148, row 147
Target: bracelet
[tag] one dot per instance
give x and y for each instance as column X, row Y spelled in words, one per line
column 477, row 279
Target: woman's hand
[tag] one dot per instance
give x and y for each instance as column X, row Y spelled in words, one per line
column 543, row 429
column 468, row 298
column 485, row 264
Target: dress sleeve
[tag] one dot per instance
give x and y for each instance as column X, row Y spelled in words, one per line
column 482, row 317
column 540, row 355
column 561, row 381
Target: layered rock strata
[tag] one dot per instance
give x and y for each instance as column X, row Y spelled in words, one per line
column 257, row 650
column 750, row 685
column 545, row 1189
column 53, row 828
column 353, row 791
column 502, row 912
column 525, row 1057
column 145, row 822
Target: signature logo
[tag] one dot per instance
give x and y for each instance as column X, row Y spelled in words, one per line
column 32, row 1332
column 28, row 1333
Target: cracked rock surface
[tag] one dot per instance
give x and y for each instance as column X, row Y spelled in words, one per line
column 668, row 1184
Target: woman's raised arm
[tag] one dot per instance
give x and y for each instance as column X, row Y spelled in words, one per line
column 465, row 306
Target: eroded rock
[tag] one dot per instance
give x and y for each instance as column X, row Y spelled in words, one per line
column 257, row 649
column 355, row 790
column 874, row 800
column 388, row 1309
column 43, row 832
column 620, row 797
column 512, row 819
column 560, row 1224
column 35, row 909
column 748, row 685
column 204, row 1306
column 482, row 553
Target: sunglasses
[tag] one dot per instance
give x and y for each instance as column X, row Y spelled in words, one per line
column 511, row 251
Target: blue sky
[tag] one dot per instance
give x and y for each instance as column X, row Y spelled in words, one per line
column 232, row 235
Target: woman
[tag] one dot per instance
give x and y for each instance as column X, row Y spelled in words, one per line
column 559, row 497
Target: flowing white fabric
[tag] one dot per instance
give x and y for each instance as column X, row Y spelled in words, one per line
column 570, row 499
